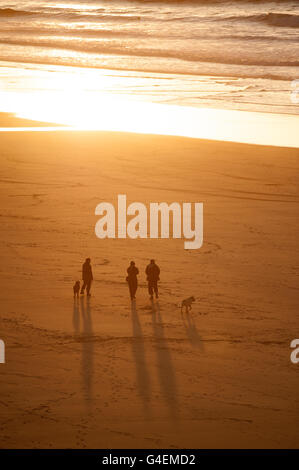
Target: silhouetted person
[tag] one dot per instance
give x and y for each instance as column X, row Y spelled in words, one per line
column 152, row 274
column 86, row 276
column 132, row 279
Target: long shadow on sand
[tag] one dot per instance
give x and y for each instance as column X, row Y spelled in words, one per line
column 191, row 330
column 85, row 337
column 165, row 368
column 142, row 374
column 76, row 317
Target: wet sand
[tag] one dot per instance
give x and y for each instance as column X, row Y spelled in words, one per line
column 10, row 120
column 102, row 373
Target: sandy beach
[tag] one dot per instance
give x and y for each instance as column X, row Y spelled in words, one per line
column 100, row 373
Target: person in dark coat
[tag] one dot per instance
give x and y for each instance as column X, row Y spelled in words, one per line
column 153, row 276
column 86, row 276
column 132, row 279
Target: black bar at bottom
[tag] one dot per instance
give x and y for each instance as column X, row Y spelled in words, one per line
column 136, row 458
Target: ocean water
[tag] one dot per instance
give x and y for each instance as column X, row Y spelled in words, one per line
column 229, row 54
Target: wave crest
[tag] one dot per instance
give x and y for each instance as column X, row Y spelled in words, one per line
column 8, row 12
column 272, row 19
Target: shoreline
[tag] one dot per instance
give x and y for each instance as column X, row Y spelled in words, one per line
column 287, row 138
column 11, row 122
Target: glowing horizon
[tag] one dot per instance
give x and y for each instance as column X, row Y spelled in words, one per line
column 85, row 99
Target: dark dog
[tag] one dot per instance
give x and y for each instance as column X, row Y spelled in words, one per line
column 187, row 303
column 76, row 288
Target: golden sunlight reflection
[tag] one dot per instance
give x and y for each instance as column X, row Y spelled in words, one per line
column 97, row 101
